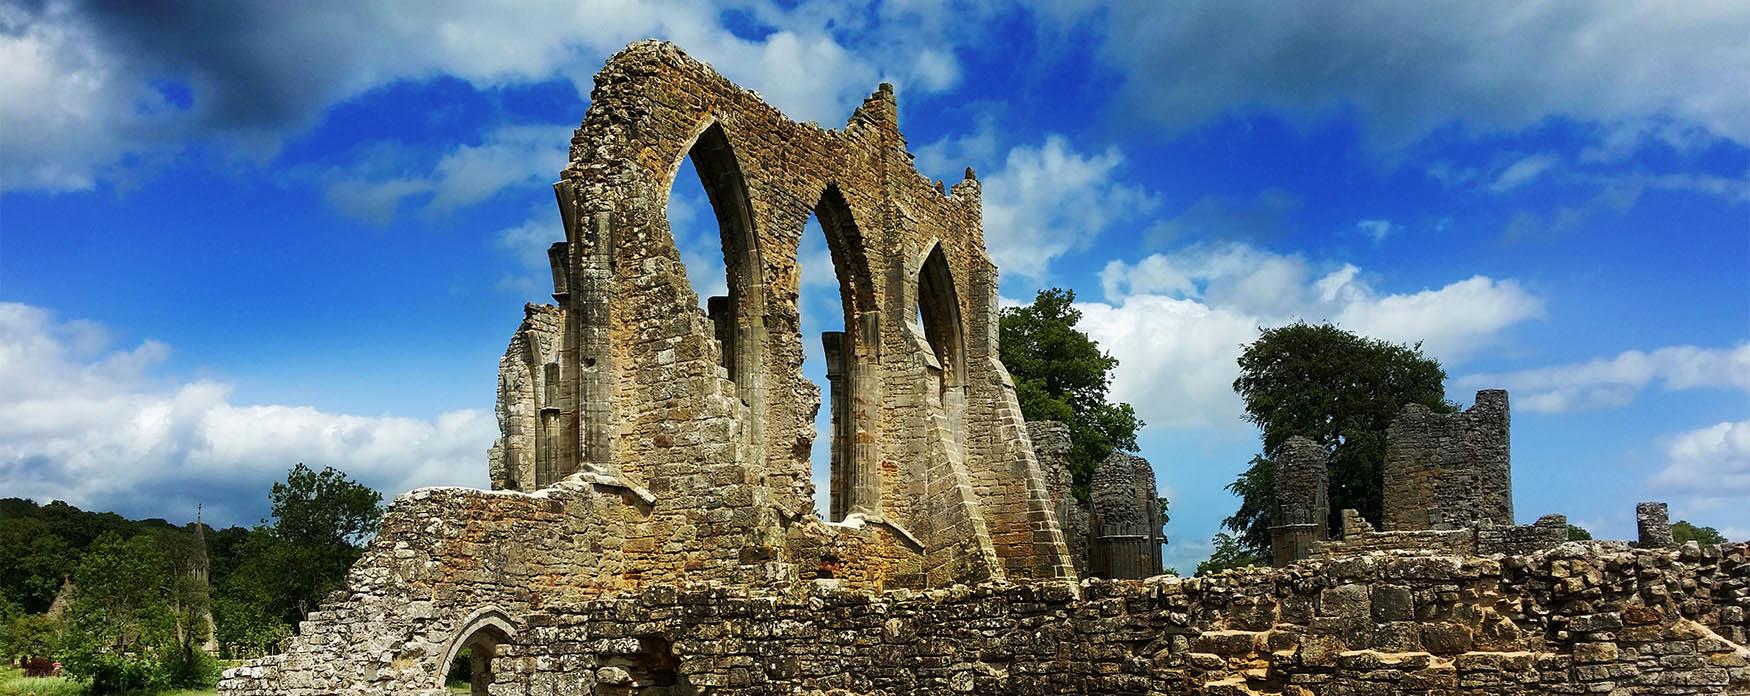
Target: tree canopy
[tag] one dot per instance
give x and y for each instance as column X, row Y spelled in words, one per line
column 320, row 523
column 136, row 616
column 1684, row 532
column 1229, row 553
column 1061, row 374
column 133, row 590
column 1341, row 391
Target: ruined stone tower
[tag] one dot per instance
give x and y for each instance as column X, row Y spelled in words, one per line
column 1449, row 471
column 1300, row 500
column 1125, row 515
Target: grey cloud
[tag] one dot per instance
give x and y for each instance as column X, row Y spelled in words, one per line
column 1411, row 68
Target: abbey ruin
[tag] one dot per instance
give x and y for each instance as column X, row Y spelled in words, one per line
column 651, row 528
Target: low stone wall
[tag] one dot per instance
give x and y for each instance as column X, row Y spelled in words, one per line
column 1580, row 618
column 1359, row 538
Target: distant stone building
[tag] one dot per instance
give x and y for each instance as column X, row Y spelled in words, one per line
column 1448, row 489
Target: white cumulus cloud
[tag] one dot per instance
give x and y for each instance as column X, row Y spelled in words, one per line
column 1049, row 199
column 1710, row 463
column 1178, row 322
column 1615, row 381
column 100, row 427
column 92, row 85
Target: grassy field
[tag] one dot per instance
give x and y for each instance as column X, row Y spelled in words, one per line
column 14, row 683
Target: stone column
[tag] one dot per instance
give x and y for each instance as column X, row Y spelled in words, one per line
column 593, row 300
column 1300, row 504
column 723, row 326
column 1126, row 519
column 1487, row 440
column 1653, row 521
column 864, row 404
column 833, row 344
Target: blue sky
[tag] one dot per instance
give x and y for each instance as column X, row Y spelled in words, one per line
column 233, row 238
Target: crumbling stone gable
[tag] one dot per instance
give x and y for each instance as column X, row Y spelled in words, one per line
column 649, row 529
column 635, row 383
column 1449, row 471
column 646, row 443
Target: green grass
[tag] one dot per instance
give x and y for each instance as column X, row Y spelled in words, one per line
column 14, row 683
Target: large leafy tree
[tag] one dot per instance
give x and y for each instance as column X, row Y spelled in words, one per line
column 1342, row 391
column 132, row 623
column 320, row 523
column 1062, row 375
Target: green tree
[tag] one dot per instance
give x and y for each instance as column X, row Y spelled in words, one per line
column 325, row 509
column 29, row 635
column 1062, row 375
column 1578, row 533
column 1229, row 553
column 1342, row 391
column 320, row 523
column 130, row 624
column 1685, row 532
column 246, row 628
column 36, row 558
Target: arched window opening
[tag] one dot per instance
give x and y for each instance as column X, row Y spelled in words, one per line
column 471, row 666
column 722, row 260
column 820, row 306
column 939, row 312
column 846, row 349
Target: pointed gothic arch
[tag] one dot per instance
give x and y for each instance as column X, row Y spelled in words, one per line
column 939, row 312
column 851, row 357
column 481, row 635
column 738, row 318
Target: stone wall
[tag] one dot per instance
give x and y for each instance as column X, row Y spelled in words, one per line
column 1581, row 618
column 1485, row 539
column 1051, row 444
column 1447, row 471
